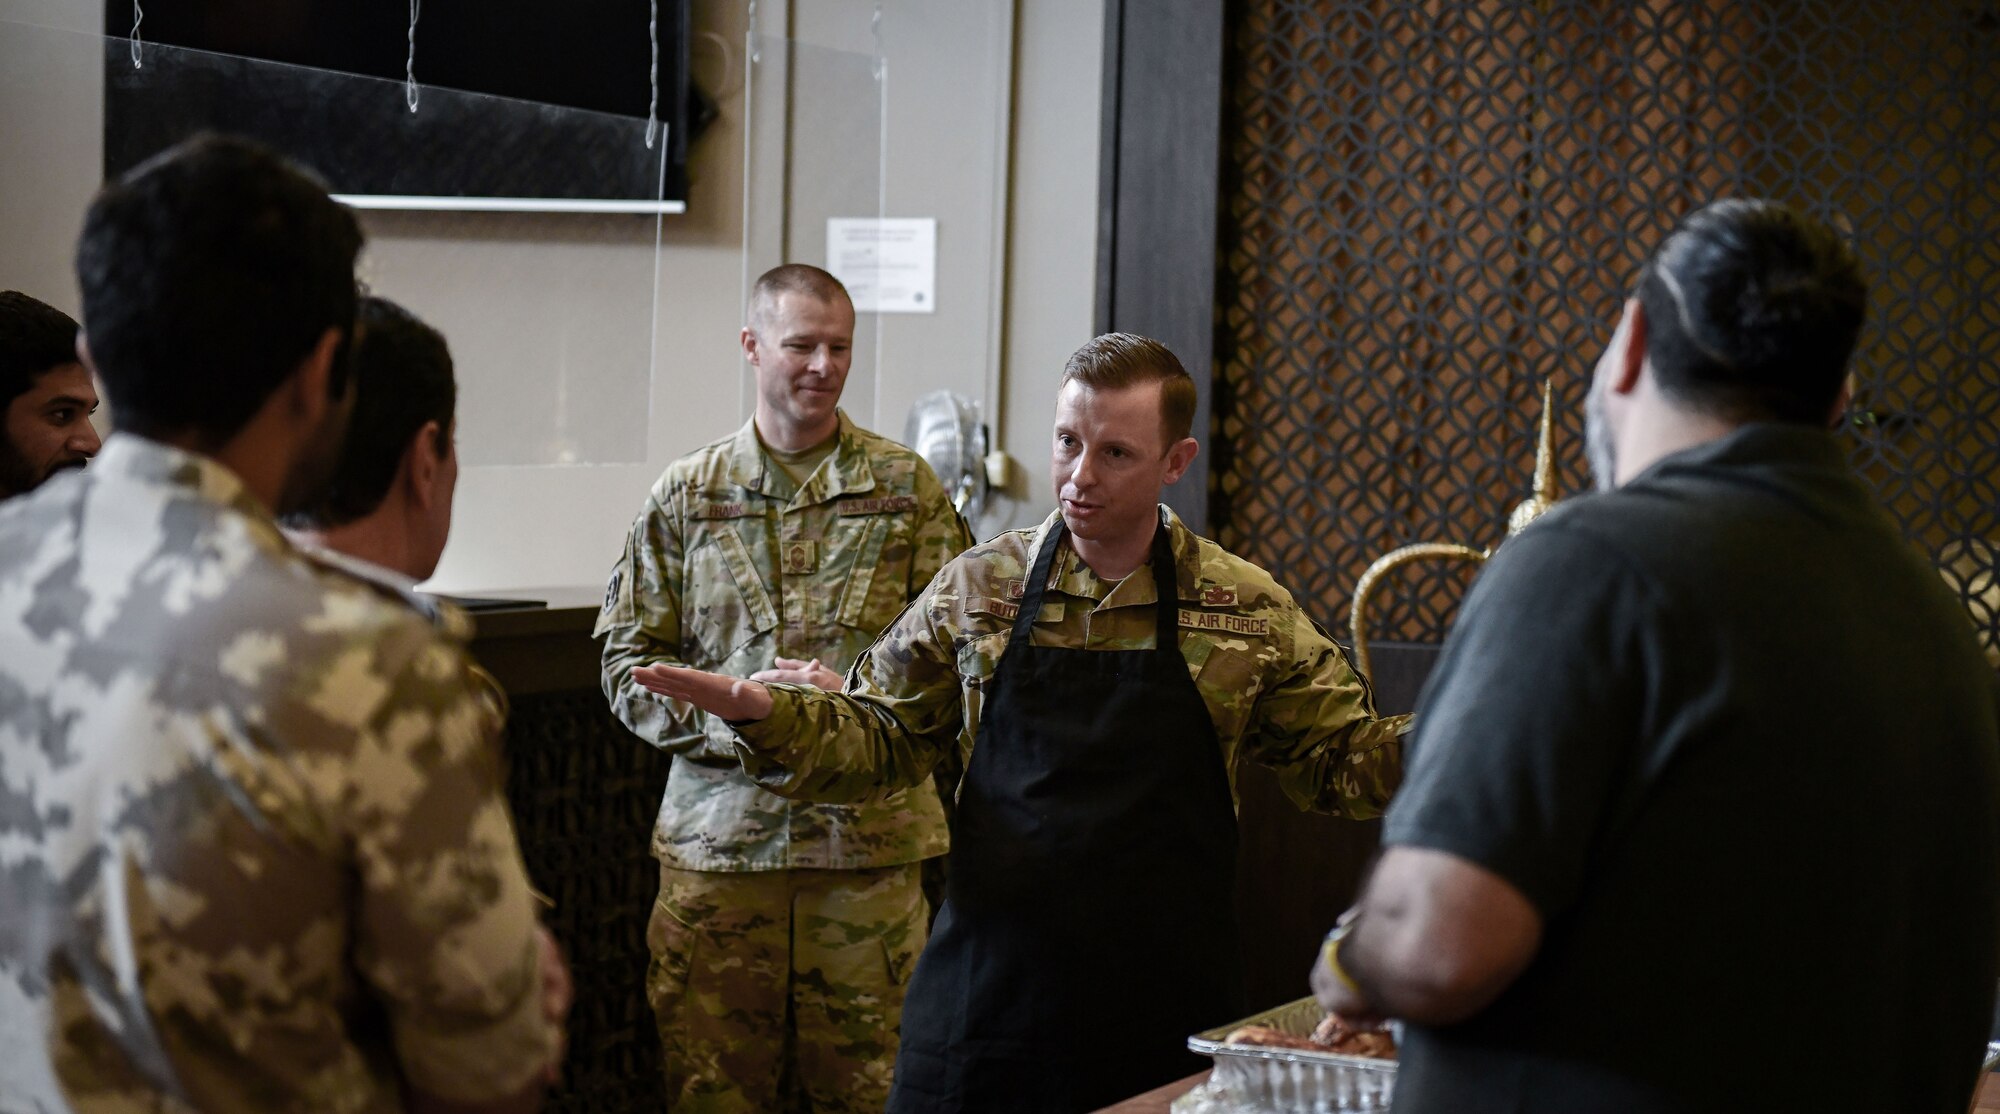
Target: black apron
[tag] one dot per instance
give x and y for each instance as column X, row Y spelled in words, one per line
column 1088, row 926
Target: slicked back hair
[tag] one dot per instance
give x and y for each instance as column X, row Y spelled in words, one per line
column 1118, row 360
column 1752, row 312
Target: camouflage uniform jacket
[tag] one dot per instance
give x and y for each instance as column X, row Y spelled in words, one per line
column 1278, row 689
column 253, row 849
column 727, row 568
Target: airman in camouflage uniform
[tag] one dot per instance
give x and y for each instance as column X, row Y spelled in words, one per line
column 784, row 931
column 1280, row 692
column 253, row 849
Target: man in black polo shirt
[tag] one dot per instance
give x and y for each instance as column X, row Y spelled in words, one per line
column 1703, row 811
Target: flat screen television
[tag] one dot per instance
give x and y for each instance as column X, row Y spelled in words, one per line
column 521, row 104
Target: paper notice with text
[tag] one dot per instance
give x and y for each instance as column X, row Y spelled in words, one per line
column 888, row 265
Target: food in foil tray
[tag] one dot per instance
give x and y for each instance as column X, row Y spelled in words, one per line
column 1333, row 1034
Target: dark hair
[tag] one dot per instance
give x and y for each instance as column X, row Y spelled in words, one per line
column 403, row 379
column 793, row 278
column 208, row 273
column 1117, row 360
column 34, row 338
column 1752, row 311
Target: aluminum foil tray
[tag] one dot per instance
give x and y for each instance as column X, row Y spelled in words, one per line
column 1249, row 1079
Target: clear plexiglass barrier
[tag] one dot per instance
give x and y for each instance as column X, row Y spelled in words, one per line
column 813, row 152
column 592, row 321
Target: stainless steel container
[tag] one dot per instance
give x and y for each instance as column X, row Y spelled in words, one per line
column 1250, row 1079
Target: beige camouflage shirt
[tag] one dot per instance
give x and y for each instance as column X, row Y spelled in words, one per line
column 1278, row 689
column 254, row 854
column 729, row 567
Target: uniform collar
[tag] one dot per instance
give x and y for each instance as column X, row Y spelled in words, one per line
column 846, row 472
column 130, row 458
column 442, row 613
column 1071, row 577
column 381, row 576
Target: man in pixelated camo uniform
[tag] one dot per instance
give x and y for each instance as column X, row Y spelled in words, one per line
column 1099, row 721
column 784, row 931
column 254, row 853
column 385, row 513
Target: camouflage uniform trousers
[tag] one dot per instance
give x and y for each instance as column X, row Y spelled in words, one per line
column 782, row 990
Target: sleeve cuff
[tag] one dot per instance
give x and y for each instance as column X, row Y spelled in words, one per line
column 1494, row 862
column 766, row 738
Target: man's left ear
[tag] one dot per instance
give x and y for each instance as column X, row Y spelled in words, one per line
column 421, row 460
column 1630, row 361
column 312, row 381
column 1180, row 456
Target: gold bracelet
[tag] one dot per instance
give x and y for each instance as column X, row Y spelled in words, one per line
column 1331, row 951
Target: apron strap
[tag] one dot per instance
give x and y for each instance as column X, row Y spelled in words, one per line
column 1038, row 583
column 1166, row 587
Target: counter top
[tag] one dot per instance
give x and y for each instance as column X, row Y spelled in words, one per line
column 543, row 645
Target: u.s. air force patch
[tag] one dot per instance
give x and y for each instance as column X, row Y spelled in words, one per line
column 1225, row 623
column 891, row 504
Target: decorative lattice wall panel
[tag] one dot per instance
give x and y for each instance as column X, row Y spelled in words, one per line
column 1432, row 205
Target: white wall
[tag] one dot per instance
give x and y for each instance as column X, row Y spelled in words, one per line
column 992, row 128
column 1051, row 266
column 51, row 140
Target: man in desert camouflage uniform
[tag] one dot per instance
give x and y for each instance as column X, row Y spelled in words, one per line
column 385, row 514
column 253, row 850
column 784, row 931
column 1089, row 926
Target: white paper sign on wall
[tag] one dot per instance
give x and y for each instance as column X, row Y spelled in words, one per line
column 888, row 265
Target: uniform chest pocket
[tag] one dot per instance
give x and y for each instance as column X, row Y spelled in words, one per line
column 873, row 551
column 979, row 656
column 724, row 601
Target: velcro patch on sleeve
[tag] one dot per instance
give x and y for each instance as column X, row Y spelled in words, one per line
column 1223, row 622
column 888, row 504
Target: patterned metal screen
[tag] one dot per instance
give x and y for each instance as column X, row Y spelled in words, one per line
column 1433, row 205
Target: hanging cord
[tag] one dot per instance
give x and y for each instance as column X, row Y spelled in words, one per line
column 138, row 17
column 756, row 55
column 410, row 68
column 875, row 29
column 653, row 105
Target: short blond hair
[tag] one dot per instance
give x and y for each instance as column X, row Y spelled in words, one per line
column 793, row 278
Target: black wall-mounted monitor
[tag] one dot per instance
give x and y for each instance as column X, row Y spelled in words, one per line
column 522, row 104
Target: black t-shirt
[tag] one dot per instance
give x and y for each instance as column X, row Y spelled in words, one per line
column 1737, row 744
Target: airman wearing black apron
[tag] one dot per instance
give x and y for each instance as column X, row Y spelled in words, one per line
column 1087, row 928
